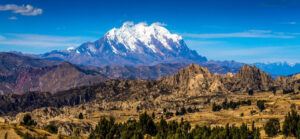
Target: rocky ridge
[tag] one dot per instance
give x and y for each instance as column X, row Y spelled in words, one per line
column 126, row 94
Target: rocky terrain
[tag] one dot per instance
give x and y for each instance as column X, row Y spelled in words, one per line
column 191, row 82
column 192, row 87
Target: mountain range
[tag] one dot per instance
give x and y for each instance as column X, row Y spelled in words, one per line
column 129, row 52
column 181, row 88
column 143, row 45
column 20, row 74
column 279, row 68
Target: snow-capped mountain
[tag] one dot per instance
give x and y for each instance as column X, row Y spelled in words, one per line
column 131, row 44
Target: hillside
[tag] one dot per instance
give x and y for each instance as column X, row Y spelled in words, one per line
column 21, row 74
column 189, row 84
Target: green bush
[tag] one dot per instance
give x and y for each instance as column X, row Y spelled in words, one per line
column 28, row 121
column 250, row 92
column 145, row 127
column 291, row 124
column 216, row 107
column 272, row 127
column 233, row 105
column 51, row 128
column 287, row 91
column 169, row 115
column 80, row 116
column 261, row 105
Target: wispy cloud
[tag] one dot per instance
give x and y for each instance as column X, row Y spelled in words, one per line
column 246, row 34
column 13, row 18
column 293, row 23
column 202, row 43
column 256, row 51
column 39, row 41
column 2, row 37
column 26, row 10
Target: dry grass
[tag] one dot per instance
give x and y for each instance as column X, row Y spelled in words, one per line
column 277, row 106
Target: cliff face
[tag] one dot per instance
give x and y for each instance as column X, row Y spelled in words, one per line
column 192, row 80
column 287, row 83
column 251, row 78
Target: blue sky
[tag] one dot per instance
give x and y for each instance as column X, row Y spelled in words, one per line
column 242, row 30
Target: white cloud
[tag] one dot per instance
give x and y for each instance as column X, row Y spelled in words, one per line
column 13, row 18
column 2, row 37
column 201, row 43
column 246, row 34
column 26, row 10
column 293, row 23
column 42, row 41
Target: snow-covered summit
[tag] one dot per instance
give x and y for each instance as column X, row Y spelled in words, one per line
column 131, row 44
column 130, row 35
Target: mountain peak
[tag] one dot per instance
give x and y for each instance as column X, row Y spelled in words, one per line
column 131, row 44
column 251, row 77
column 131, row 34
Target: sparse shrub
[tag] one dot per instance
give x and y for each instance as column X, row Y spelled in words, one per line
column 190, row 110
column 28, row 121
column 293, row 106
column 272, row 127
column 216, row 107
column 253, row 112
column 153, row 115
column 51, row 128
column 242, row 114
column 250, row 92
column 249, row 102
column 164, row 110
column 287, row 91
column 273, row 89
column 177, row 113
column 225, row 104
column 80, row 116
column 6, row 135
column 233, row 105
column 261, row 105
column 27, row 136
column 183, row 111
column 169, row 115
column 207, row 101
